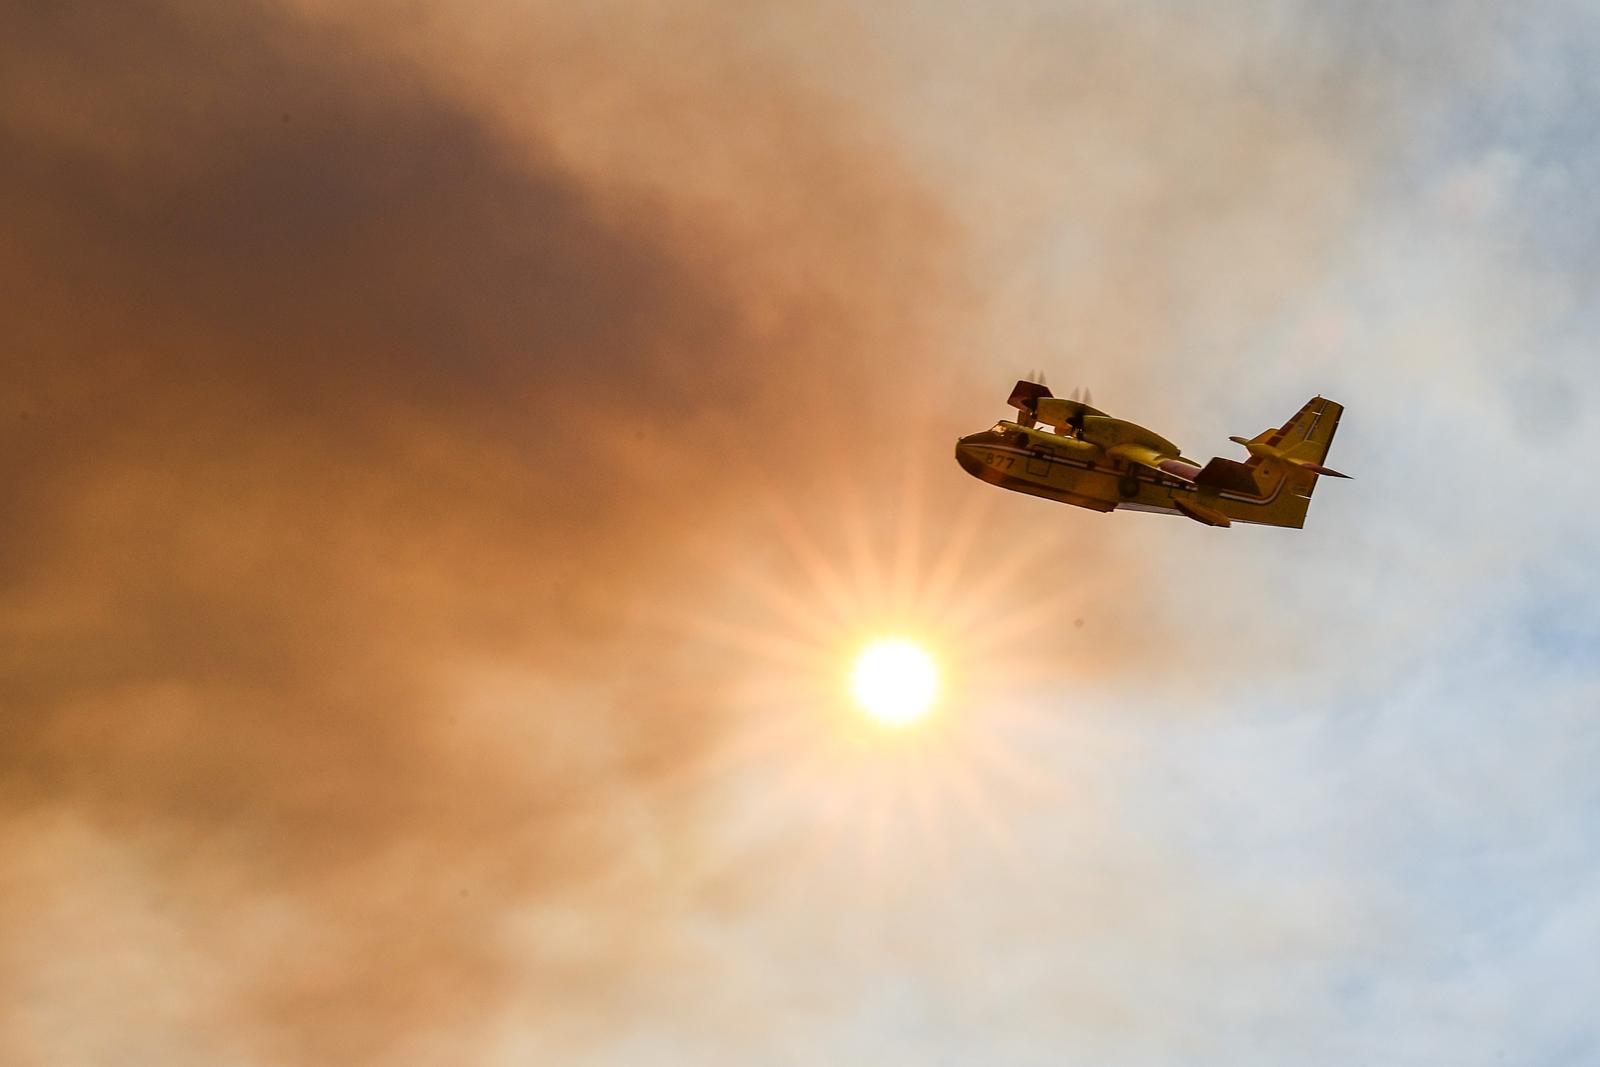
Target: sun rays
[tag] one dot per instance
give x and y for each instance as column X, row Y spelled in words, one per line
column 889, row 607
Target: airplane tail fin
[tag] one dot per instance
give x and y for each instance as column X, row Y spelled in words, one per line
column 1283, row 467
column 1304, row 439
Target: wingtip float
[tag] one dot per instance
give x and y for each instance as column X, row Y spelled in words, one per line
column 1062, row 449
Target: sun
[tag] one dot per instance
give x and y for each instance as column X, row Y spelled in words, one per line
column 895, row 681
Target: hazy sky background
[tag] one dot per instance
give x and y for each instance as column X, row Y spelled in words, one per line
column 449, row 455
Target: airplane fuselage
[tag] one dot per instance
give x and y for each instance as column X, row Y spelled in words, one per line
column 1072, row 471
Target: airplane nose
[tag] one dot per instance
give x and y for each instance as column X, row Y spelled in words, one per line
column 967, row 456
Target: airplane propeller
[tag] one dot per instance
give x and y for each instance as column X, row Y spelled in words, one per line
column 1068, row 412
column 1079, row 396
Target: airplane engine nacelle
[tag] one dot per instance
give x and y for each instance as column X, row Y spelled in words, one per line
column 1108, row 433
column 1060, row 412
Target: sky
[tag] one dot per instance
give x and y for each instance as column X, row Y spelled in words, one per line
column 450, row 455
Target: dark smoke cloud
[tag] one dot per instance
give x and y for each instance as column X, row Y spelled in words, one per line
column 374, row 382
column 341, row 427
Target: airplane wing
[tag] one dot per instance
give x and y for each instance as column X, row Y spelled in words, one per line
column 1168, row 465
column 1150, row 458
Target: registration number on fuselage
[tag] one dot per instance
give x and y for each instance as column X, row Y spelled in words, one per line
column 1001, row 460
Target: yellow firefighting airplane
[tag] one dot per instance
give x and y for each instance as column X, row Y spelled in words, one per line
column 1065, row 450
